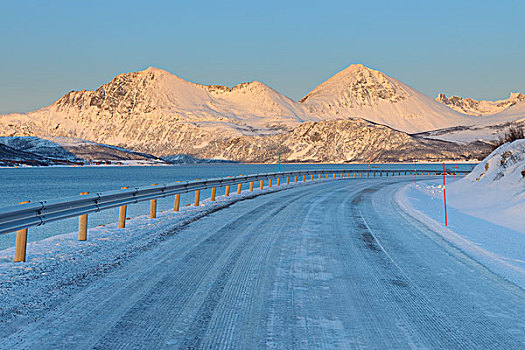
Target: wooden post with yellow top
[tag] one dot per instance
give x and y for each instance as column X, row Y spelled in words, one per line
column 153, row 207
column 176, row 203
column 21, row 242
column 82, row 224
column 122, row 210
column 197, row 198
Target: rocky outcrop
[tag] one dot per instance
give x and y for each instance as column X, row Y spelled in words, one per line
column 482, row 107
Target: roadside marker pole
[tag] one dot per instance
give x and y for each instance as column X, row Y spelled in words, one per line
column 444, row 195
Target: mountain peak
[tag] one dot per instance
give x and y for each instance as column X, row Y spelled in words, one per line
column 358, row 86
column 156, row 70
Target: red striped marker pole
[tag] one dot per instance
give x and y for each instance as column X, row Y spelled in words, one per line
column 444, row 195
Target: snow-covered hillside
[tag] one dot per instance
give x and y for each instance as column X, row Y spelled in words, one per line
column 495, row 189
column 65, row 149
column 483, row 107
column 350, row 140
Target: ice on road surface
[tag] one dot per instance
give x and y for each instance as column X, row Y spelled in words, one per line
column 335, row 264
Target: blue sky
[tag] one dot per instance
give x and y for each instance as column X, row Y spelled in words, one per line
column 468, row 48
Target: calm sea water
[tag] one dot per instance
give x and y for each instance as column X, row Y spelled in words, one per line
column 46, row 183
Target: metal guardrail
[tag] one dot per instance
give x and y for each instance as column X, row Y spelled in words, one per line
column 27, row 215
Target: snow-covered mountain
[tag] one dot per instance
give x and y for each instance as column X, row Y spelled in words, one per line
column 156, row 112
column 154, row 104
column 482, row 107
column 370, row 94
column 65, row 150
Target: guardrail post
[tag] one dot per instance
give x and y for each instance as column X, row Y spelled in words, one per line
column 82, row 224
column 278, row 181
column 288, row 180
column 311, row 178
column 295, row 178
column 262, row 184
column 153, row 207
column 251, row 186
column 304, row 178
column 319, row 176
column 21, row 242
column 213, row 191
column 227, row 191
column 360, row 174
column 334, row 175
column 122, row 210
column 239, row 188
column 327, row 176
column 197, row 198
column 269, row 183
column 176, row 204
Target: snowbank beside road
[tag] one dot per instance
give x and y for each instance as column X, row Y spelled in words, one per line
column 485, row 210
column 495, row 189
column 500, row 249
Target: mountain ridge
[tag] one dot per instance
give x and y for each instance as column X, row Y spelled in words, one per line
column 158, row 112
column 475, row 107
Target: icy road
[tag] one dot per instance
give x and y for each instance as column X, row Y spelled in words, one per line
column 333, row 265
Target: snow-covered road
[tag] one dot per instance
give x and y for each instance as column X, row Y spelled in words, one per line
column 334, row 264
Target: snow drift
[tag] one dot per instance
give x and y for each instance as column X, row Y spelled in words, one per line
column 495, row 189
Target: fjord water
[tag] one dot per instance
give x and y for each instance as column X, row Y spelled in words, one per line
column 47, row 183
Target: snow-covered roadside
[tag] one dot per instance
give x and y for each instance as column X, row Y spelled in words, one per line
column 60, row 263
column 501, row 249
column 485, row 210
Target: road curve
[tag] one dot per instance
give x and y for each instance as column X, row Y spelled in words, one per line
column 334, row 264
